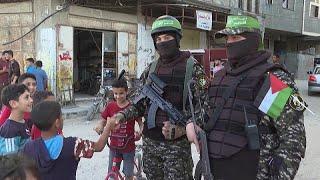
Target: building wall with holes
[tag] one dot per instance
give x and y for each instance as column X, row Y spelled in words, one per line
column 17, row 19
column 284, row 17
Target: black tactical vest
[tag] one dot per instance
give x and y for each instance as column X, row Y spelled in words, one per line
column 228, row 135
column 173, row 75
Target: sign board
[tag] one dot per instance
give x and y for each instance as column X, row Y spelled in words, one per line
column 204, row 20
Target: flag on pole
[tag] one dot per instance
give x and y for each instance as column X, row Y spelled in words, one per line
column 273, row 96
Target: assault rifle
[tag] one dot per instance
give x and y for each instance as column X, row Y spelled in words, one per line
column 153, row 90
column 203, row 166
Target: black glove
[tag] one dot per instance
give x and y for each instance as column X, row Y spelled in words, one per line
column 275, row 165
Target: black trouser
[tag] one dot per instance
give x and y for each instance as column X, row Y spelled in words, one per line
column 241, row 166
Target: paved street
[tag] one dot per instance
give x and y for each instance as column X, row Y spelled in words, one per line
column 96, row 167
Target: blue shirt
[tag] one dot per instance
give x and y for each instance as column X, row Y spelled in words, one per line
column 31, row 69
column 41, row 77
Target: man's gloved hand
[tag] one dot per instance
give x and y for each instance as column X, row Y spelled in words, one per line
column 171, row 131
column 275, row 165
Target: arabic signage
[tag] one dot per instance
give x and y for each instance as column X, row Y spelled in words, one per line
column 204, row 20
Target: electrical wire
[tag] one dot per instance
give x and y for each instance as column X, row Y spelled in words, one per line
column 65, row 6
column 95, row 42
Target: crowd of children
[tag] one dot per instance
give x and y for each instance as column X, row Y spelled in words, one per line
column 32, row 145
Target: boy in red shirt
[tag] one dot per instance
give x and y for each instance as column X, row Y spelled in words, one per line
column 28, row 80
column 122, row 139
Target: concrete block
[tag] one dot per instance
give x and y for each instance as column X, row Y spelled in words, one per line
column 27, row 19
column 85, row 22
column 28, row 41
column 4, row 35
column 3, row 20
column 107, row 25
column 20, row 7
column 101, row 14
column 12, row 20
column 119, row 26
column 15, row 33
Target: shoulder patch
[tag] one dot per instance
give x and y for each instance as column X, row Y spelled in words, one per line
column 297, row 103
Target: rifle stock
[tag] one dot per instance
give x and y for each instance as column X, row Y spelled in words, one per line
column 153, row 92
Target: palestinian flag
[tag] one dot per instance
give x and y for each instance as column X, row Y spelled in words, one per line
column 273, row 96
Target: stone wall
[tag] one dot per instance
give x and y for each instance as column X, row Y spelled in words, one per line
column 17, row 19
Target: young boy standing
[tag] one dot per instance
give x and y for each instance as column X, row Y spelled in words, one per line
column 57, row 157
column 122, row 139
column 38, row 97
column 28, row 80
column 14, row 132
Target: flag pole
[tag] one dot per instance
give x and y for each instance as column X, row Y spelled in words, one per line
column 301, row 103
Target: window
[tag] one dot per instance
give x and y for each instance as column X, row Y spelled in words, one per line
column 240, row 4
column 249, row 5
column 314, row 10
column 257, row 6
column 269, row 1
column 266, row 43
column 288, row 4
column 285, row 4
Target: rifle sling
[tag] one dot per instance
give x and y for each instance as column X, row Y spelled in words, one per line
column 188, row 76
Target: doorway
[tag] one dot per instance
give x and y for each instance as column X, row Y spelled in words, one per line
column 94, row 53
column 87, row 61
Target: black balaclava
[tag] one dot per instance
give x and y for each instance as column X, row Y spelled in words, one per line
column 237, row 51
column 168, row 50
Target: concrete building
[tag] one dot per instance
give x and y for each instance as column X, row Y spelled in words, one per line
column 77, row 44
column 291, row 30
column 81, row 42
column 17, row 19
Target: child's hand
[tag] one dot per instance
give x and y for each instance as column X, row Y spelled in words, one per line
column 137, row 136
column 192, row 135
column 112, row 123
column 99, row 129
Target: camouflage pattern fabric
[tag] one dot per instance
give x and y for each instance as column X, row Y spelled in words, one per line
column 202, row 85
column 168, row 160
column 281, row 153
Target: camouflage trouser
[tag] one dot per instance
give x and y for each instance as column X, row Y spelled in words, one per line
column 167, row 160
